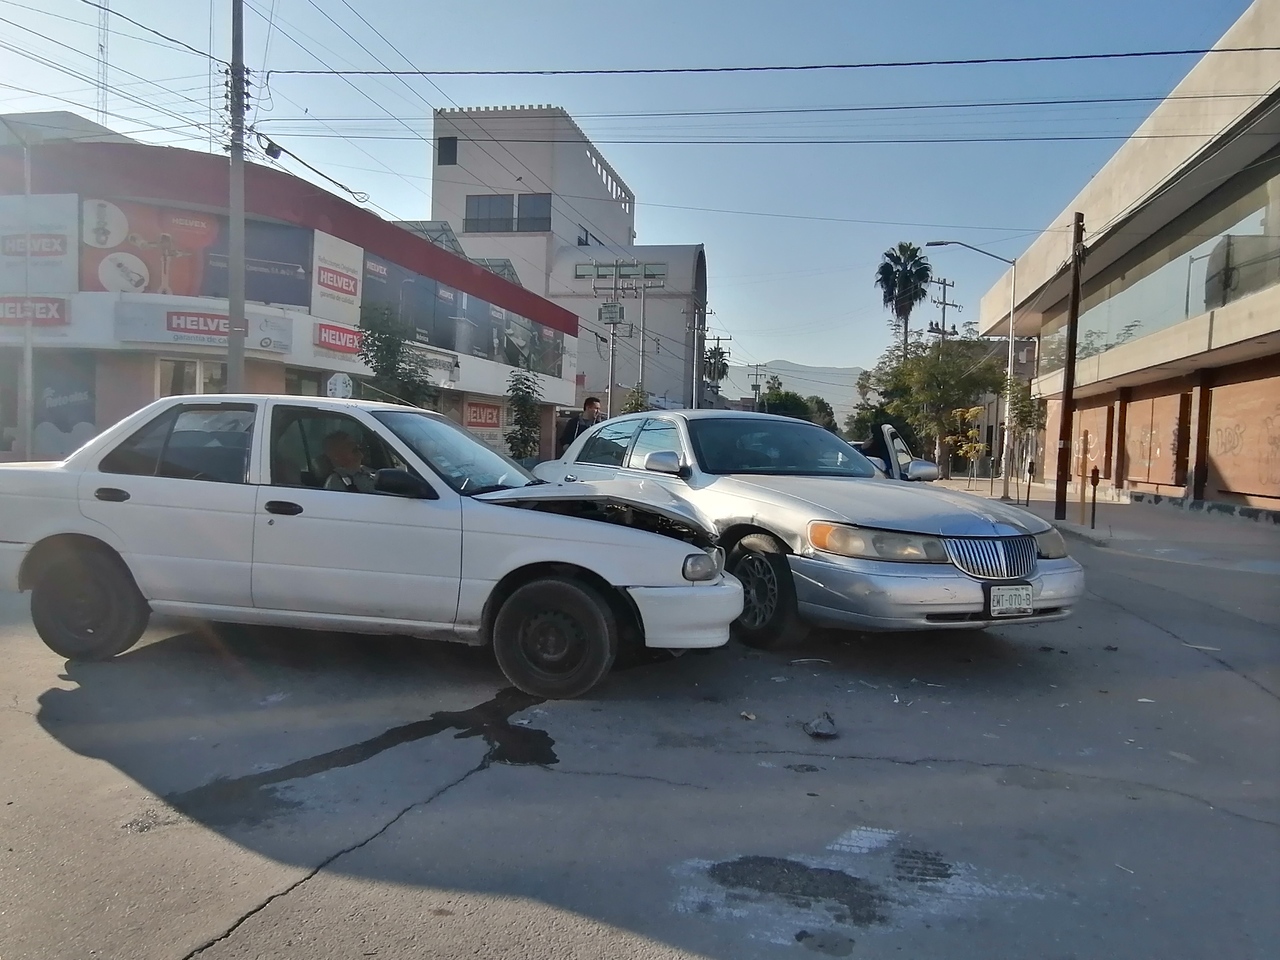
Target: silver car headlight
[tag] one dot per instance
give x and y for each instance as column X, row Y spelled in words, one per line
column 701, row 566
column 847, row 541
column 1050, row 545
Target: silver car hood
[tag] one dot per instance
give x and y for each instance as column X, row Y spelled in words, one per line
column 894, row 505
column 641, row 494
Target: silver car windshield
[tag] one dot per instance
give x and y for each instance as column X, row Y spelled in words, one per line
column 774, row 447
column 464, row 462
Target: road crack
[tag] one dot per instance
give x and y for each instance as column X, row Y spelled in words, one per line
column 560, row 771
column 248, row 915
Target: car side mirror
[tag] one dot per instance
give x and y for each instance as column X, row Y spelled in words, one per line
column 666, row 461
column 402, row 483
column 921, row 470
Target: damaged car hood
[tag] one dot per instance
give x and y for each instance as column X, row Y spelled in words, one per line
column 642, row 495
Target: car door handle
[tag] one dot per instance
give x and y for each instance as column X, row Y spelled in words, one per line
column 570, row 478
column 286, row 507
column 111, row 494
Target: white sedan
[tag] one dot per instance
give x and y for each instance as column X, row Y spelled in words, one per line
column 361, row 517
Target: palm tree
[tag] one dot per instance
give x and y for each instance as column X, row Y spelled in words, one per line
column 716, row 366
column 903, row 278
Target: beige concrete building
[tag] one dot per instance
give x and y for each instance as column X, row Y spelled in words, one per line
column 1177, row 384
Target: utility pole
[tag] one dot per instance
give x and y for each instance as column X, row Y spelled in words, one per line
column 27, row 398
column 643, row 336
column 237, row 328
column 755, row 390
column 611, row 315
column 1066, row 421
column 946, row 285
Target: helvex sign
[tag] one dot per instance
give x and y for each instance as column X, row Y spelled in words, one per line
column 337, row 281
column 339, row 339
column 210, row 324
column 41, row 311
column 482, row 416
column 42, row 244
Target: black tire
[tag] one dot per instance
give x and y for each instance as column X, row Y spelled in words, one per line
column 85, row 605
column 555, row 639
column 770, row 617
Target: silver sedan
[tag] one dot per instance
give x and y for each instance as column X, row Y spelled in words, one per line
column 819, row 537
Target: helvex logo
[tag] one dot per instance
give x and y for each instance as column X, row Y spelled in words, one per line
column 42, row 244
column 337, row 281
column 41, row 311
column 209, row 324
column 338, row 339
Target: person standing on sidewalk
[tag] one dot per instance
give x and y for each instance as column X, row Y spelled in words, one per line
column 579, row 424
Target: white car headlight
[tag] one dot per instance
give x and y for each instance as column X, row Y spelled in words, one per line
column 701, row 566
column 847, row 541
column 1050, row 545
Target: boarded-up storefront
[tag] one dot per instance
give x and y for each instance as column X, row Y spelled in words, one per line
column 1244, row 441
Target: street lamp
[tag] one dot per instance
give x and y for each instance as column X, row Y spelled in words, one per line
column 1007, row 456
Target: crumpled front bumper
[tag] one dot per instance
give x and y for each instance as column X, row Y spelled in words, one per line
column 682, row 618
column 879, row 595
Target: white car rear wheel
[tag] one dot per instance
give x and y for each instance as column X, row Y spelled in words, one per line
column 85, row 605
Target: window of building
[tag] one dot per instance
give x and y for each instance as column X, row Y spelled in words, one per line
column 1223, row 249
column 655, row 271
column 609, row 446
column 446, row 151
column 604, row 271
column 534, row 213
column 629, row 271
column 489, row 213
column 189, row 443
column 302, row 383
column 584, row 271
column 180, row 378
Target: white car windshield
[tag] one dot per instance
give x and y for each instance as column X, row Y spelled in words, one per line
column 464, row 462
column 774, row 447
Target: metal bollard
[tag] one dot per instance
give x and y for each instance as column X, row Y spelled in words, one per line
column 1094, row 476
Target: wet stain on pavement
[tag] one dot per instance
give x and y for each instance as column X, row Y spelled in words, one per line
column 252, row 799
column 800, row 885
column 804, row 768
column 826, row 942
column 920, row 866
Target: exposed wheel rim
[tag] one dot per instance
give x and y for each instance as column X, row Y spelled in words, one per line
column 554, row 642
column 760, row 591
column 84, row 607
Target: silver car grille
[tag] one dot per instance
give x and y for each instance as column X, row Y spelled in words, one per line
column 1004, row 558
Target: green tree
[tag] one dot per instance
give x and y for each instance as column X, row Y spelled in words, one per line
column 903, row 277
column 787, row 403
column 773, row 384
column 967, row 440
column 637, row 402
column 399, row 372
column 1027, row 418
column 523, row 395
column 715, row 366
column 822, row 414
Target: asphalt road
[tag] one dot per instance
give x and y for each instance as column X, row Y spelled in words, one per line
column 1104, row 787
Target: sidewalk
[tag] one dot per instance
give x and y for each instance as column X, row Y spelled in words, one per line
column 1146, row 530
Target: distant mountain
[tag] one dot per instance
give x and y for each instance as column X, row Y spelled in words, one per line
column 837, row 385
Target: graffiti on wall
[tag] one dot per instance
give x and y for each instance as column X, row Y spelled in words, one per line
column 1228, row 440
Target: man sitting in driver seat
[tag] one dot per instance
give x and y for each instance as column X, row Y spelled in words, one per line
column 349, row 471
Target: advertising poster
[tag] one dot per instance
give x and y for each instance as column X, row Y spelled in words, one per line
column 488, row 332
column 336, row 275
column 451, row 331
column 54, row 229
column 170, row 323
column 64, row 403
column 275, row 269
column 408, row 297
column 139, row 248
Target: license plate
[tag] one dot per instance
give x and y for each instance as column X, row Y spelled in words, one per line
column 1010, row 600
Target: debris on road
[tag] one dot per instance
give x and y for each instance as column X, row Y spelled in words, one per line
column 1183, row 757
column 1196, row 646
column 1145, row 700
column 1112, row 647
column 1124, row 868
column 747, row 716
column 821, row 727
column 871, row 685
column 779, row 679
column 1046, row 649
column 810, row 660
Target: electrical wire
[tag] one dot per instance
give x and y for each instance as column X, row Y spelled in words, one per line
column 163, row 36
column 800, row 67
column 167, row 44
column 814, row 142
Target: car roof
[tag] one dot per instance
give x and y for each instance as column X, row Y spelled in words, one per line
column 712, row 414
column 328, row 402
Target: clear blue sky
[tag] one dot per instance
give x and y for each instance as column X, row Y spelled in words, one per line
column 791, row 289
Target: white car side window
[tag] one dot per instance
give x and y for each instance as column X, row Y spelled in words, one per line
column 607, row 447
column 655, row 437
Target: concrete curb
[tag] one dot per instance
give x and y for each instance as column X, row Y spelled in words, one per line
column 1084, row 534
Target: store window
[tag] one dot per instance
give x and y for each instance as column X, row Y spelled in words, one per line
column 489, row 213
column 303, row 383
column 180, row 378
column 9, row 372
